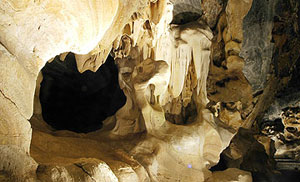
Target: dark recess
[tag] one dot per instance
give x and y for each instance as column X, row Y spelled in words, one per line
column 185, row 17
column 76, row 101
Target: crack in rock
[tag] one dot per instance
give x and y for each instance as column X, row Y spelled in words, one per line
column 5, row 97
column 85, row 171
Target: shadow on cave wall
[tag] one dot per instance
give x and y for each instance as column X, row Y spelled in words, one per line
column 76, row 101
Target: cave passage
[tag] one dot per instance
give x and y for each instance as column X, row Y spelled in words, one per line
column 76, row 101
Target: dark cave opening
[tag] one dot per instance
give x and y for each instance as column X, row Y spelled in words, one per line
column 77, row 101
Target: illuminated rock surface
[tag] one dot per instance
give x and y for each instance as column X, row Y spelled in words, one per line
column 156, row 90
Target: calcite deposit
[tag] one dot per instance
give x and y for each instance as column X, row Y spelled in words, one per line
column 148, row 90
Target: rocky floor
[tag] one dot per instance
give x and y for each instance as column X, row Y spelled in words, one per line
column 65, row 155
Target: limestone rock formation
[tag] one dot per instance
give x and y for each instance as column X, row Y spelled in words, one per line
column 193, row 73
column 258, row 52
column 231, row 174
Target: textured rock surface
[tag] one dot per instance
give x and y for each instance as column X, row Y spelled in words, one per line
column 193, row 72
column 247, row 153
column 257, row 49
column 15, row 101
column 232, row 175
column 17, row 164
column 82, row 170
column 281, row 119
column 32, row 32
column 150, row 91
column 68, row 160
column 281, row 91
column 189, row 6
column 225, row 73
column 285, row 35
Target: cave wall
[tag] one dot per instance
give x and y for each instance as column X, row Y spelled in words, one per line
column 32, row 32
column 26, row 48
column 193, row 73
